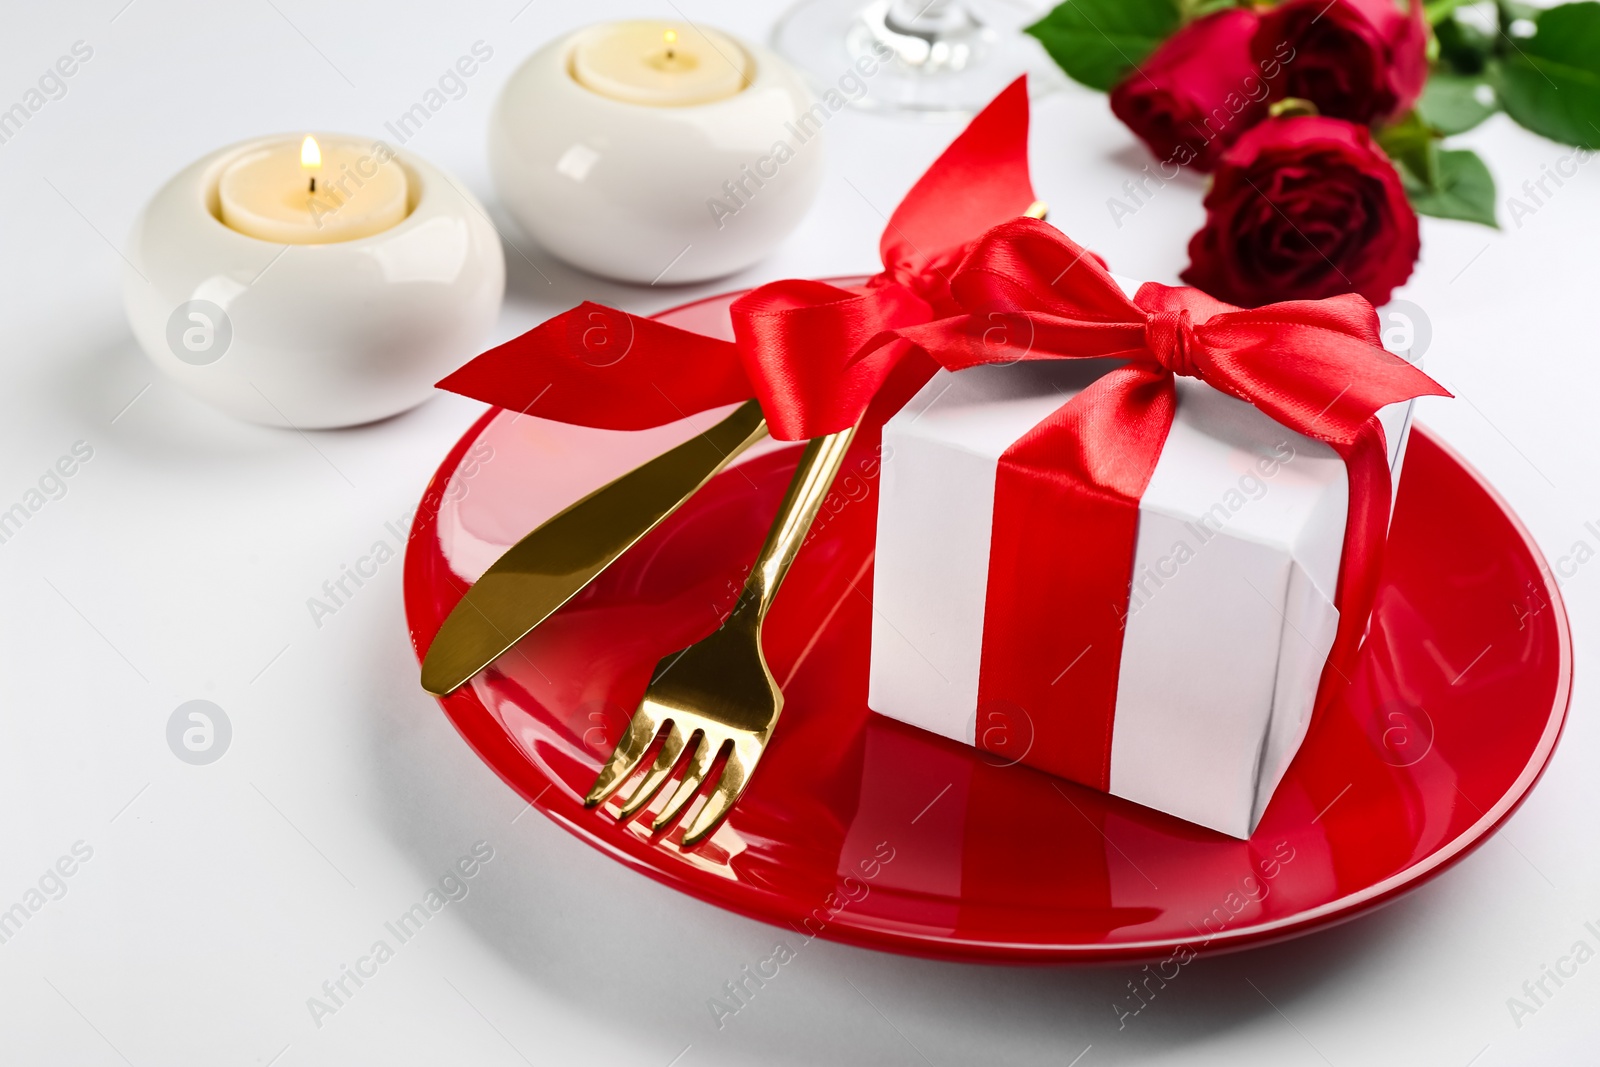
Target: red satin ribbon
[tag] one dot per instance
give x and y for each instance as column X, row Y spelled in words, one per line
column 1069, row 490
column 812, row 353
column 965, row 291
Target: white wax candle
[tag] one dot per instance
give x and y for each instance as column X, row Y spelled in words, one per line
column 311, row 192
column 660, row 64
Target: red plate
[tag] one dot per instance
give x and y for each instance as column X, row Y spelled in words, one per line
column 872, row 832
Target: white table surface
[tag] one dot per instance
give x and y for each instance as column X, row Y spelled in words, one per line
column 218, row 898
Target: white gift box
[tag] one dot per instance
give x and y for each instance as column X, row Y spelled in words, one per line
column 1225, row 638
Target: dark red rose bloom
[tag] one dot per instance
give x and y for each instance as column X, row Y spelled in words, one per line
column 1303, row 208
column 1196, row 93
column 1362, row 60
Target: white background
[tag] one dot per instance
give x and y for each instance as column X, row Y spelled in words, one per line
column 178, row 566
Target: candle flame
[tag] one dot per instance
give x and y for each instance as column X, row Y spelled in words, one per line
column 310, row 154
column 671, row 37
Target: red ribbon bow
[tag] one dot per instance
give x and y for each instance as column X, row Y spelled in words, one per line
column 811, row 352
column 817, row 355
column 1071, row 486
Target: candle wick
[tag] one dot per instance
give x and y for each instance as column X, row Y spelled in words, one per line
column 671, row 54
column 313, row 184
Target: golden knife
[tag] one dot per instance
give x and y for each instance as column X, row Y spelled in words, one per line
column 552, row 564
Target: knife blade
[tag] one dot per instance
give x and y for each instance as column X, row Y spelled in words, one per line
column 552, row 564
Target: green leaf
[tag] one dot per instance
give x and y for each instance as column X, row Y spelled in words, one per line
column 1436, row 11
column 1464, row 48
column 1464, row 189
column 1450, row 103
column 1513, row 9
column 1411, row 143
column 1097, row 42
column 1193, row 9
column 1550, row 82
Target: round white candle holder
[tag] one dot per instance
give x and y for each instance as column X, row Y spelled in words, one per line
column 651, row 195
column 312, row 336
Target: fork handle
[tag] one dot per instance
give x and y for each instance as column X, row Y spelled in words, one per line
column 819, row 464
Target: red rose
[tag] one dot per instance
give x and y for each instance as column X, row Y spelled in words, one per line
column 1303, row 208
column 1196, row 93
column 1362, row 60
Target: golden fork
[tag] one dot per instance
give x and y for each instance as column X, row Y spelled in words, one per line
column 717, row 696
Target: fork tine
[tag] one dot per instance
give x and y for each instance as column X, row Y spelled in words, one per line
column 694, row 775
column 725, row 793
column 624, row 759
column 719, row 689
column 656, row 777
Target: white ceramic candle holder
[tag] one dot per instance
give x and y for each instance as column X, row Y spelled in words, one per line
column 655, row 194
column 312, row 336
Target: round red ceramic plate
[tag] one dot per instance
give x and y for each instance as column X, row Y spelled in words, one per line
column 871, row 832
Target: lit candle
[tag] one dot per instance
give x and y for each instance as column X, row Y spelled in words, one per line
column 306, row 192
column 659, row 65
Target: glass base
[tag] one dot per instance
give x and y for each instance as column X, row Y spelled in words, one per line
column 933, row 58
